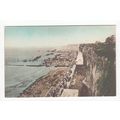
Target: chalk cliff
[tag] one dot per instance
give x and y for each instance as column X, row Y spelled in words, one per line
column 100, row 67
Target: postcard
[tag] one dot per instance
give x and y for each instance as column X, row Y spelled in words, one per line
column 60, row 61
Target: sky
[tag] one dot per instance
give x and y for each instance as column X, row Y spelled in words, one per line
column 51, row 36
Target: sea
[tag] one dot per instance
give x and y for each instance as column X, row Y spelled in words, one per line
column 18, row 75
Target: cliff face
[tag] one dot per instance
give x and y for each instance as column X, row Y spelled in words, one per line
column 99, row 62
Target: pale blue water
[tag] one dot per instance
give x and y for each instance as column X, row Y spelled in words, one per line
column 18, row 78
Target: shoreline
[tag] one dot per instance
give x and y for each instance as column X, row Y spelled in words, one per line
column 41, row 86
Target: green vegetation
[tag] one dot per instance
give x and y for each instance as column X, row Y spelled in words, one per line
column 107, row 82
